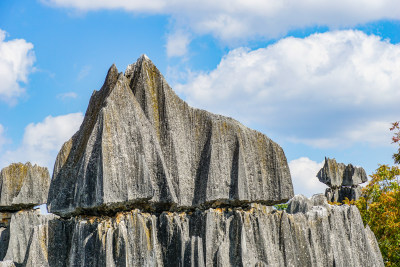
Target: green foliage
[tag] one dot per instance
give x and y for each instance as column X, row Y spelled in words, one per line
column 396, row 139
column 380, row 209
column 281, row 206
column 380, row 206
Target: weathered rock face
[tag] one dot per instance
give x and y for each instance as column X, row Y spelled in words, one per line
column 140, row 145
column 339, row 194
column 335, row 174
column 259, row 236
column 149, row 181
column 343, row 181
column 29, row 238
column 23, row 186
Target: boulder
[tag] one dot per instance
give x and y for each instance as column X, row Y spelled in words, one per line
column 335, row 174
column 23, row 186
column 140, row 145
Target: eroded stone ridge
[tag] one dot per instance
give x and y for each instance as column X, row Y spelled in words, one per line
column 23, row 186
column 140, row 145
column 316, row 235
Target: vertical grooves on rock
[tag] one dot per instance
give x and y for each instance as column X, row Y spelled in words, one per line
column 202, row 171
column 65, row 180
column 234, row 184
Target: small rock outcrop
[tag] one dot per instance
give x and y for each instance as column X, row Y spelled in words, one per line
column 23, row 186
column 141, row 145
column 343, row 181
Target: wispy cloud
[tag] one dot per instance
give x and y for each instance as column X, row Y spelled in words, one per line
column 3, row 139
column 84, row 72
column 67, row 95
column 177, row 44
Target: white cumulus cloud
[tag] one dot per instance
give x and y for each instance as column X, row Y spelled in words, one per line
column 16, row 63
column 246, row 19
column 304, row 176
column 43, row 140
column 326, row 90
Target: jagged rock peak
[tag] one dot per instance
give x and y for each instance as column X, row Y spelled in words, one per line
column 23, row 186
column 141, row 145
column 336, row 174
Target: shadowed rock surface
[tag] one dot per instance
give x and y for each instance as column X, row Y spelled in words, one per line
column 140, row 145
column 339, row 194
column 259, row 236
column 23, row 186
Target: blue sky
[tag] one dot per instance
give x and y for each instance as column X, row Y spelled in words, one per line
column 319, row 77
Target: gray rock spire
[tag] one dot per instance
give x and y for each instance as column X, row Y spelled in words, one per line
column 140, row 145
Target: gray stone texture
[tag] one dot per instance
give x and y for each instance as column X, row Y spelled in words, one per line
column 23, row 186
column 7, row 264
column 29, row 238
column 335, row 174
column 149, row 181
column 259, row 236
column 339, row 194
column 140, row 145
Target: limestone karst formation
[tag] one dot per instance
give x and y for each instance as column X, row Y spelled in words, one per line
column 149, row 181
column 343, row 180
column 22, row 186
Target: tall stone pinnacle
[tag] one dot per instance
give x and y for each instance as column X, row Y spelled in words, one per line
column 141, row 145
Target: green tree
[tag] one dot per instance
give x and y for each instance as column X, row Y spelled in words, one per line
column 281, row 206
column 380, row 206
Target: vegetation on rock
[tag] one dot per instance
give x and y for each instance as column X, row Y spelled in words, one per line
column 380, row 206
column 281, row 206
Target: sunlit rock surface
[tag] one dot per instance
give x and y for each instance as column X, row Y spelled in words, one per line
column 140, row 145
column 150, row 181
column 323, row 235
column 23, row 186
column 29, row 236
column 335, row 174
